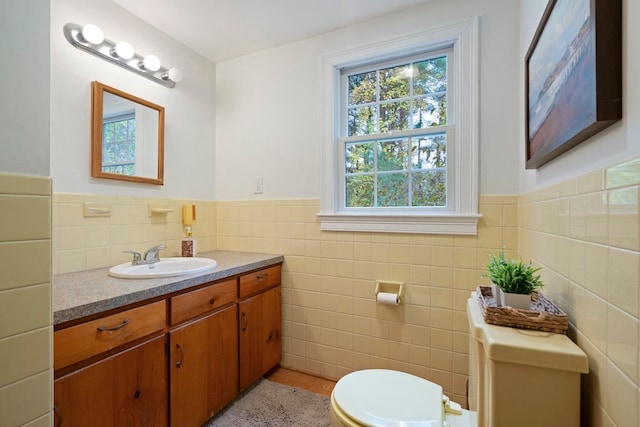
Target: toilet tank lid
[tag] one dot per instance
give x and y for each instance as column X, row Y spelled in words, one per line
column 525, row 347
column 382, row 397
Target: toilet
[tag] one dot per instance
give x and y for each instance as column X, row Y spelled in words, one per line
column 382, row 397
column 517, row 377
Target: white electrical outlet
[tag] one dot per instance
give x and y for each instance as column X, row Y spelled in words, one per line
column 257, row 188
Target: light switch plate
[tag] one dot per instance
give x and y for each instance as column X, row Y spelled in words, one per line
column 257, row 188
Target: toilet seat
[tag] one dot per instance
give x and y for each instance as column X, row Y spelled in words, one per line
column 386, row 398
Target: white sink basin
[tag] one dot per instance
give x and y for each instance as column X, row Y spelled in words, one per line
column 166, row 267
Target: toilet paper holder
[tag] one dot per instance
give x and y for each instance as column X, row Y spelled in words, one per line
column 390, row 288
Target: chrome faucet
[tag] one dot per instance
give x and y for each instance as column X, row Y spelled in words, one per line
column 150, row 257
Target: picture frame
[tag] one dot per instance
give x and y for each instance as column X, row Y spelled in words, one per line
column 573, row 76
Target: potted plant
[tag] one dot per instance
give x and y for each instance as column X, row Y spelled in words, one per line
column 516, row 281
column 494, row 273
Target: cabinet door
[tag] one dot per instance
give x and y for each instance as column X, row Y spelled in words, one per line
column 126, row 389
column 260, row 335
column 203, row 367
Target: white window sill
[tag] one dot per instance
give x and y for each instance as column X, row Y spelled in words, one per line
column 401, row 223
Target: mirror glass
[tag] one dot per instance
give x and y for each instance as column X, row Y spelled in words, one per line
column 127, row 136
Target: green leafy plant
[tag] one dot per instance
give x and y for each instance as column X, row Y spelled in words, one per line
column 513, row 276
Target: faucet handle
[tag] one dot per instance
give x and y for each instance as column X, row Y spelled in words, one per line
column 137, row 258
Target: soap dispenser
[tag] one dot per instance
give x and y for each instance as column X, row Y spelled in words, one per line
column 189, row 244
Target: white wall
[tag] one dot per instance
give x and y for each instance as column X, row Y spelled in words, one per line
column 269, row 117
column 615, row 144
column 24, row 109
column 189, row 107
column 26, row 394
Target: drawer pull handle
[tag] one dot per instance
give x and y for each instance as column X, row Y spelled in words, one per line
column 262, row 276
column 244, row 321
column 124, row 323
column 179, row 362
column 212, row 301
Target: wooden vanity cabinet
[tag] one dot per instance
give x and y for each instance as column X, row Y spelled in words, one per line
column 174, row 362
column 126, row 389
column 260, row 323
column 203, row 356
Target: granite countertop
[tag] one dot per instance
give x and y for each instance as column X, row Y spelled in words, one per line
column 84, row 293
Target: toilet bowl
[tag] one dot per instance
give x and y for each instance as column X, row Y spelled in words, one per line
column 520, row 378
column 386, row 398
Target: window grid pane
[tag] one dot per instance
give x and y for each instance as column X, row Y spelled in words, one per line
column 393, row 190
column 429, row 188
column 362, row 88
column 395, row 82
column 363, row 120
column 360, row 191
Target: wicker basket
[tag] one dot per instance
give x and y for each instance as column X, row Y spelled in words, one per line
column 543, row 316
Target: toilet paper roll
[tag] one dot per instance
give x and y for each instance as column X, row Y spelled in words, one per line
column 387, row 298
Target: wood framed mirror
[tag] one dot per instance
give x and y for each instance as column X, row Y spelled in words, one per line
column 127, row 136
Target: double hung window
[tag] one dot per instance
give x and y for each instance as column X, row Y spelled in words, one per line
column 395, row 128
column 401, row 134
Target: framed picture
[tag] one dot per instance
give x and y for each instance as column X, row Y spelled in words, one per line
column 573, row 76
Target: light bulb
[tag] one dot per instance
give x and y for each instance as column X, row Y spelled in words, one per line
column 92, row 34
column 122, row 50
column 173, row 74
column 150, row 62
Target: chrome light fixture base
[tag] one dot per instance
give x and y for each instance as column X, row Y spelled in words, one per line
column 107, row 51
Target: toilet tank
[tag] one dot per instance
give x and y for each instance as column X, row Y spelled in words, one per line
column 520, row 377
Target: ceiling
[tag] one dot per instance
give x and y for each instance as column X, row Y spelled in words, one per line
column 223, row 29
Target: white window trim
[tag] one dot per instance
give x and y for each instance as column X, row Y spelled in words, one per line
column 463, row 35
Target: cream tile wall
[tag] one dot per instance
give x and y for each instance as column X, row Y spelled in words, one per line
column 84, row 243
column 585, row 233
column 25, row 301
column 332, row 324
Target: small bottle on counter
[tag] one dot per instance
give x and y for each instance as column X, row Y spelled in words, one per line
column 189, row 245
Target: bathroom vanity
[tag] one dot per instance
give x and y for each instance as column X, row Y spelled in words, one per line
column 168, row 351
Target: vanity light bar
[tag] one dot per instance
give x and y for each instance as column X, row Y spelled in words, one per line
column 91, row 39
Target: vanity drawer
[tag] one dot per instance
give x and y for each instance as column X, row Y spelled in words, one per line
column 79, row 342
column 259, row 280
column 194, row 303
